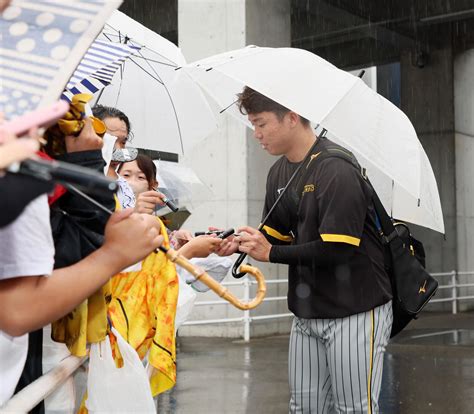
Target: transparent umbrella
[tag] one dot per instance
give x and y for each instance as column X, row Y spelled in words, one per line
column 378, row 132
column 180, row 183
column 166, row 115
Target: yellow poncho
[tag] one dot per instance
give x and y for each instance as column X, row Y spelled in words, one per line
column 141, row 306
column 143, row 310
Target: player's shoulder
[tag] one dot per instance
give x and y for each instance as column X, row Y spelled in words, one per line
column 335, row 159
column 333, row 150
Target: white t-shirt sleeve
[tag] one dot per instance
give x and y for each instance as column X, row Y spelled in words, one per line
column 26, row 245
column 26, row 249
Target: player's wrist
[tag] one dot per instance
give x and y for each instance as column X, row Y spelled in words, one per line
column 273, row 253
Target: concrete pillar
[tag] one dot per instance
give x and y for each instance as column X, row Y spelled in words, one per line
column 230, row 161
column 464, row 145
column 427, row 97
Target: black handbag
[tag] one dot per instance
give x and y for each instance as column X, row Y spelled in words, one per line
column 412, row 285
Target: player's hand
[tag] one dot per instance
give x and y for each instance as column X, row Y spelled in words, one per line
column 142, row 230
column 229, row 245
column 147, row 202
column 254, row 243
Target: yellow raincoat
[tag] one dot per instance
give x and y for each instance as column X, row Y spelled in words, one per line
column 141, row 305
column 143, row 310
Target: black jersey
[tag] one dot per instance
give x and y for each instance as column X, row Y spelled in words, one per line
column 335, row 206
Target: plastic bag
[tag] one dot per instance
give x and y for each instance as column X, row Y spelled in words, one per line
column 186, row 299
column 217, row 267
column 63, row 399
column 117, row 390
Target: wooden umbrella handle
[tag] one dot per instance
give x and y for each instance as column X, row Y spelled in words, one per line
column 222, row 291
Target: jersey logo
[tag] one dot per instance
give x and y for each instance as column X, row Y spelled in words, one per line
column 308, row 188
column 279, row 191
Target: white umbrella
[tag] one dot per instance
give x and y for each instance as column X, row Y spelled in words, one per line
column 378, row 132
column 424, row 210
column 165, row 115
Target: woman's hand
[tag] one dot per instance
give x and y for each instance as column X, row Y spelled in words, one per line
column 128, row 225
column 15, row 150
column 182, row 237
column 4, row 4
column 87, row 140
column 147, row 202
column 201, row 246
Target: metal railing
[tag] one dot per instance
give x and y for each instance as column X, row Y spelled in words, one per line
column 246, row 319
column 453, row 285
column 31, row 395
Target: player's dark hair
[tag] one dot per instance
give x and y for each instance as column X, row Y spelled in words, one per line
column 252, row 102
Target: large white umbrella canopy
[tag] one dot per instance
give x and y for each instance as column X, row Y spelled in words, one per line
column 165, row 115
column 378, row 132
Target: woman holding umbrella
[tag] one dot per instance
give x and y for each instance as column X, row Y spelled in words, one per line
column 140, row 174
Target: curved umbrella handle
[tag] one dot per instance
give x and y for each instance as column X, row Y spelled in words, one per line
column 236, row 272
column 222, row 291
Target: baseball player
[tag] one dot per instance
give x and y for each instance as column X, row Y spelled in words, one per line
column 338, row 289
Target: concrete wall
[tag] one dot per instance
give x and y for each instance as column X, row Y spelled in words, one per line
column 439, row 99
column 464, row 147
column 230, row 161
column 427, row 97
column 464, row 143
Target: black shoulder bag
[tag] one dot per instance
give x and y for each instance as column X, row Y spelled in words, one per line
column 412, row 285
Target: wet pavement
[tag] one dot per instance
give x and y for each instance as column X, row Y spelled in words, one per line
column 429, row 368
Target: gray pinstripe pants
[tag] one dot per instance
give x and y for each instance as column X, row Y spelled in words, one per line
column 335, row 365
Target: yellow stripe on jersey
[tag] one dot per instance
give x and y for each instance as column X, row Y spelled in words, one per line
column 277, row 235
column 341, row 238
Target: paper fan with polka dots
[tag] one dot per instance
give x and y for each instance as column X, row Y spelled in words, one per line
column 41, row 45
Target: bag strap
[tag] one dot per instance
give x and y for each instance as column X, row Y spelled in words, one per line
column 388, row 230
column 386, row 223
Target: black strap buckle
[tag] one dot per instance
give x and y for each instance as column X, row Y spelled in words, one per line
column 390, row 237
